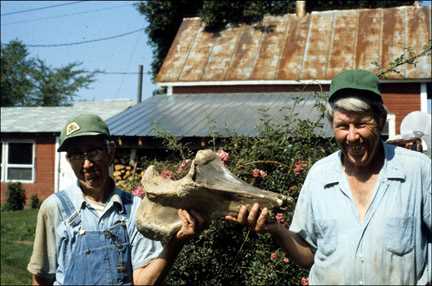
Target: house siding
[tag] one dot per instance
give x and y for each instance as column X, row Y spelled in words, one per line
column 44, row 175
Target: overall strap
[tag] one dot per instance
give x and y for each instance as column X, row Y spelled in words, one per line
column 127, row 201
column 70, row 213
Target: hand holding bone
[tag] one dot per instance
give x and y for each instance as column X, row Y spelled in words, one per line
column 209, row 188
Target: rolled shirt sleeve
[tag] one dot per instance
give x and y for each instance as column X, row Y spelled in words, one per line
column 43, row 258
column 144, row 249
column 303, row 219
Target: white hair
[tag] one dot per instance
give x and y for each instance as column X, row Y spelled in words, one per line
column 360, row 105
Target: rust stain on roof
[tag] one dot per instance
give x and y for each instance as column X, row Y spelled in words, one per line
column 393, row 38
column 245, row 57
column 221, row 55
column 271, row 48
column 344, row 43
column 179, row 50
column 291, row 64
column 314, row 47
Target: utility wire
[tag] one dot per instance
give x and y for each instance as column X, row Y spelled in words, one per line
column 40, row 8
column 85, row 42
column 66, row 15
column 117, row 73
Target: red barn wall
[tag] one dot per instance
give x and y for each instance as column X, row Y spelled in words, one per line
column 44, row 179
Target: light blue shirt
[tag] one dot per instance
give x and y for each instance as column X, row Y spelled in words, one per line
column 46, row 260
column 390, row 246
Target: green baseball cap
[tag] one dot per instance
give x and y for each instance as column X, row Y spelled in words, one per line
column 82, row 125
column 355, row 80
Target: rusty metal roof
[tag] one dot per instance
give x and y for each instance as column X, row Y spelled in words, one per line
column 314, row 47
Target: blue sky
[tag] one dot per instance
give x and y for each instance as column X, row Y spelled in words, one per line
column 83, row 21
column 86, row 20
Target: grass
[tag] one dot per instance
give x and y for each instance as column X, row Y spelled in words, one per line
column 17, row 234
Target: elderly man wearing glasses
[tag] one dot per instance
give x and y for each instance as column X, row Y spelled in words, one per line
column 86, row 234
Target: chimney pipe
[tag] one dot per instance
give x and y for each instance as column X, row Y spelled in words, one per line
column 300, row 8
column 140, row 79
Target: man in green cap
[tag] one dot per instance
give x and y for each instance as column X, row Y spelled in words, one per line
column 363, row 216
column 86, row 234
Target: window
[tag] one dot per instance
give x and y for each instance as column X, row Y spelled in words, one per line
column 390, row 127
column 17, row 161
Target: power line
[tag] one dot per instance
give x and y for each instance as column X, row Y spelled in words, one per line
column 117, row 73
column 85, row 42
column 66, row 15
column 40, row 8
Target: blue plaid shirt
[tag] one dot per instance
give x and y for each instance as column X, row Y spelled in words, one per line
column 390, row 246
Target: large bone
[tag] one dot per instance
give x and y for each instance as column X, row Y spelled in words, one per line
column 209, row 188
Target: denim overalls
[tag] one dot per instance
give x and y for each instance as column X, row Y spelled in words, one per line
column 101, row 256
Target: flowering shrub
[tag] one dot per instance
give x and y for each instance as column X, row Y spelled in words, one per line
column 138, row 191
column 227, row 253
column 256, row 173
column 167, row 174
column 224, row 156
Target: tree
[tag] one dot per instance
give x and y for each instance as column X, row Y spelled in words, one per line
column 165, row 16
column 15, row 82
column 27, row 81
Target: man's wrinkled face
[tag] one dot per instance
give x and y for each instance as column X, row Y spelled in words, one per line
column 358, row 137
column 90, row 161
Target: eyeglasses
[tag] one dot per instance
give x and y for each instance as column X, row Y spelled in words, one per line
column 91, row 155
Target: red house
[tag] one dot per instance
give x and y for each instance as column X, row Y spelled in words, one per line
column 303, row 53
column 29, row 142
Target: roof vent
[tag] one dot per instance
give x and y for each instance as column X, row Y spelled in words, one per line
column 300, row 8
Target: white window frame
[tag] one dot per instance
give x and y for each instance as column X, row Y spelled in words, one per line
column 5, row 158
column 391, row 123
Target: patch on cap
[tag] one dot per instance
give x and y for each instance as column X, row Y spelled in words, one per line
column 71, row 128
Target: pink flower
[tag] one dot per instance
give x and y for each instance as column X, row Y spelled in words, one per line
column 183, row 165
column 304, row 281
column 285, row 260
column 273, row 256
column 280, row 218
column 299, row 167
column 224, row 156
column 138, row 191
column 258, row 173
column 167, row 174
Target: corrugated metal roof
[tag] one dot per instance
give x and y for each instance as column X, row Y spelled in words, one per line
column 52, row 119
column 314, row 47
column 199, row 115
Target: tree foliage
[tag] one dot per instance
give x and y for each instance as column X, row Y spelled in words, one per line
column 165, row 16
column 28, row 81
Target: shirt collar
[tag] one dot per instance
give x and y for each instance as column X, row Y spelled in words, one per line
column 77, row 197
column 392, row 168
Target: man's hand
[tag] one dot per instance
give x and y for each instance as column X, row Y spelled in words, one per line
column 192, row 224
column 256, row 218
column 154, row 273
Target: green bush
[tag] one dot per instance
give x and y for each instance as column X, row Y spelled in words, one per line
column 35, row 202
column 277, row 160
column 16, row 197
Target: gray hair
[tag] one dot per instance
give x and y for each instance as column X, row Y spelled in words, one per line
column 360, row 105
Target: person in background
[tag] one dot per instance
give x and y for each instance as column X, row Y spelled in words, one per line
column 363, row 216
column 86, row 234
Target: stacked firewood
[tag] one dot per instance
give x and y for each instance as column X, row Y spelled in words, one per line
column 126, row 175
